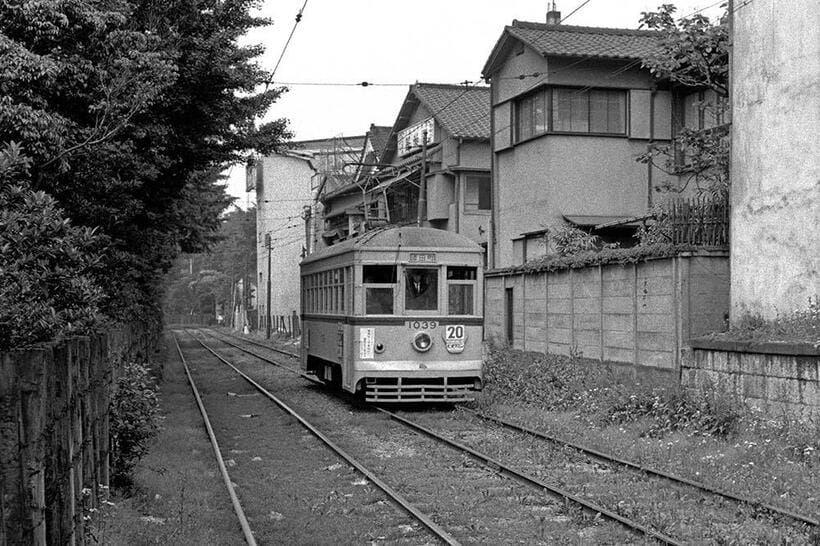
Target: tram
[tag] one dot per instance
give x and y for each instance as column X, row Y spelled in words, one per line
column 395, row 315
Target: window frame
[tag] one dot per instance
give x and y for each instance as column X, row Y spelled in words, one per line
column 545, row 94
column 393, row 286
column 404, row 287
column 468, row 206
column 462, row 282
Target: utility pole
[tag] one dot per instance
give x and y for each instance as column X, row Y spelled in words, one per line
column 422, row 181
column 267, row 292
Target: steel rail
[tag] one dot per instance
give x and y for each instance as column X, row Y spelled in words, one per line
column 589, row 507
column 388, row 490
column 609, row 458
column 237, row 506
column 531, row 480
column 261, row 357
column 258, row 344
column 491, row 463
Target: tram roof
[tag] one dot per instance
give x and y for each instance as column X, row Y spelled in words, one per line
column 399, row 237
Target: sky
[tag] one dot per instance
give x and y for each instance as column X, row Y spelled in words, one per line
column 397, row 42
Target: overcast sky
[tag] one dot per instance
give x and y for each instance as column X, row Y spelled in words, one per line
column 398, row 42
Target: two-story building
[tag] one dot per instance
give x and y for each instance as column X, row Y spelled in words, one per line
column 285, row 184
column 451, row 168
column 436, row 154
column 572, row 110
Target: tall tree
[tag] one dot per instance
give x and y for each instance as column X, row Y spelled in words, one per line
column 694, row 52
column 125, row 112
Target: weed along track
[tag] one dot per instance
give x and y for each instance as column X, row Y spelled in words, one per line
column 472, row 501
column 672, row 512
column 661, row 505
column 615, row 460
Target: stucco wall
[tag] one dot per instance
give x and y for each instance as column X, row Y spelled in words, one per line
column 535, row 183
column 540, row 180
column 286, row 188
column 775, row 197
column 640, row 314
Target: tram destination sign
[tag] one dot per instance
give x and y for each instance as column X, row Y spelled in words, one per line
column 422, row 257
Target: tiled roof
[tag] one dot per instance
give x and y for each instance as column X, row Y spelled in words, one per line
column 378, row 138
column 463, row 112
column 572, row 41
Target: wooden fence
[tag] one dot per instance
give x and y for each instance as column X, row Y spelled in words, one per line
column 699, row 221
column 54, row 434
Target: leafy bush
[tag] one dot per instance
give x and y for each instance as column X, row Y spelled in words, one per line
column 134, row 420
column 46, row 282
column 568, row 240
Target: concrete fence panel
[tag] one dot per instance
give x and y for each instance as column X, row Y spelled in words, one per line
column 641, row 314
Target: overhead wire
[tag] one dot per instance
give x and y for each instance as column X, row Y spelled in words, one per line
column 584, row 3
column 287, row 43
column 541, row 76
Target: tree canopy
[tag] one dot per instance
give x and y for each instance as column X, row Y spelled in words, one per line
column 123, row 113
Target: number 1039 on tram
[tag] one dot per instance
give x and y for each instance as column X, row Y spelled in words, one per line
column 396, row 315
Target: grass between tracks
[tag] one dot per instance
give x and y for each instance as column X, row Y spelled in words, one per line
column 178, row 496
column 710, row 438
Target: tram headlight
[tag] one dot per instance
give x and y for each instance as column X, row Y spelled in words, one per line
column 379, row 348
column 422, row 342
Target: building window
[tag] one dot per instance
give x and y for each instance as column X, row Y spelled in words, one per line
column 477, row 192
column 570, row 110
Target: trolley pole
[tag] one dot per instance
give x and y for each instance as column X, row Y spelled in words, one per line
column 267, row 292
column 422, row 181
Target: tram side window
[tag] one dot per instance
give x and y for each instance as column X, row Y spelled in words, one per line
column 461, row 283
column 379, row 282
column 421, row 289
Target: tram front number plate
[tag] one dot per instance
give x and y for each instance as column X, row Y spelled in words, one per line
column 454, row 338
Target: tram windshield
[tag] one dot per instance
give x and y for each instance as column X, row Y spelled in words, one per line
column 460, row 285
column 421, row 289
column 379, row 281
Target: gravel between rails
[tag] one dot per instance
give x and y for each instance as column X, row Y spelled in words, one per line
column 680, row 511
column 472, row 502
column 293, row 489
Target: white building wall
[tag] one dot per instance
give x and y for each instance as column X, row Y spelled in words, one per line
column 775, row 196
column 284, row 190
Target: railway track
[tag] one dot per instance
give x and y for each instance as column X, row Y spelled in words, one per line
column 391, row 493
column 493, row 464
column 594, row 454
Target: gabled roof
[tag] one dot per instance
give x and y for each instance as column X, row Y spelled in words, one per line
column 574, row 41
column 462, row 111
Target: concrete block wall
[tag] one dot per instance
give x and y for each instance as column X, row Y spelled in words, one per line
column 775, row 378
column 640, row 314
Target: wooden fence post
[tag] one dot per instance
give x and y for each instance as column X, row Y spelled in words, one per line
column 80, row 360
column 31, row 372
column 10, row 505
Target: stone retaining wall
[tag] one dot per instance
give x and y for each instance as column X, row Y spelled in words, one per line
column 777, row 378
